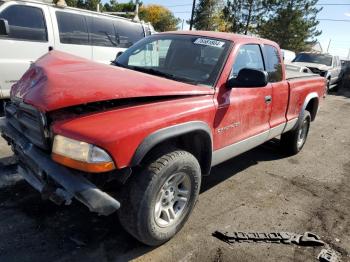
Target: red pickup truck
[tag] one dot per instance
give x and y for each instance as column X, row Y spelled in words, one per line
column 137, row 136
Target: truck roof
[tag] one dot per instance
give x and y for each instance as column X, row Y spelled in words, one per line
column 49, row 3
column 223, row 35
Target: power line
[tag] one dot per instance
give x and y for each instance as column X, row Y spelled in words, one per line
column 178, row 5
column 172, row 6
column 332, row 4
column 334, row 20
column 321, row 19
column 169, row 6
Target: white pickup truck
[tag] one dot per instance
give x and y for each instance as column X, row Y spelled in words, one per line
column 324, row 65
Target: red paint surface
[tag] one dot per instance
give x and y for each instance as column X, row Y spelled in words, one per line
column 62, row 80
column 59, row 80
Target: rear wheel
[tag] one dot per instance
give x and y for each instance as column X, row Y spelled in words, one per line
column 293, row 141
column 158, row 201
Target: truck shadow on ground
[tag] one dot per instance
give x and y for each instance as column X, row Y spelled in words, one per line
column 72, row 233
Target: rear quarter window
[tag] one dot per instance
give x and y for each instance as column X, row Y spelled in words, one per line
column 273, row 63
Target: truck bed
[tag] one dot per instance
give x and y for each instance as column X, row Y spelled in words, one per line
column 290, row 74
column 302, row 85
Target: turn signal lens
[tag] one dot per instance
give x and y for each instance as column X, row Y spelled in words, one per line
column 81, row 155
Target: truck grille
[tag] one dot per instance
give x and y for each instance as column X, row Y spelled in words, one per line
column 317, row 71
column 28, row 121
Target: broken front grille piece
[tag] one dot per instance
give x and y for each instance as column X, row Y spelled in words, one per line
column 29, row 121
column 306, row 239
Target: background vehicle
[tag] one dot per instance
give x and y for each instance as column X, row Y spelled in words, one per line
column 345, row 66
column 298, row 68
column 325, row 65
column 287, row 55
column 34, row 28
column 155, row 122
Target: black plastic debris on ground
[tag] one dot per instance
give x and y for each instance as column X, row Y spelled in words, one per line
column 306, row 239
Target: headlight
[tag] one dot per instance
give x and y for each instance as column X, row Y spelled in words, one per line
column 81, row 155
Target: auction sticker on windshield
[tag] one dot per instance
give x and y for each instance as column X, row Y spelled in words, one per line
column 209, row 42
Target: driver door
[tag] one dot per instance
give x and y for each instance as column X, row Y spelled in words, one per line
column 245, row 116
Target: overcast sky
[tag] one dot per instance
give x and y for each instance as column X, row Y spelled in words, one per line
column 337, row 31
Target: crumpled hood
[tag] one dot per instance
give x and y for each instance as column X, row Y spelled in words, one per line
column 58, row 80
column 314, row 65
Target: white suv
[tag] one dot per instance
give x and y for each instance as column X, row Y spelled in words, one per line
column 29, row 29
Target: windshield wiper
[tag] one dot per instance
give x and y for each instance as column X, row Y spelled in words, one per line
column 163, row 74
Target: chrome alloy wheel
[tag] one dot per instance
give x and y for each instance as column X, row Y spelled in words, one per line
column 172, row 199
column 302, row 134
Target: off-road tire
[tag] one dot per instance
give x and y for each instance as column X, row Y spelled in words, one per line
column 139, row 196
column 289, row 140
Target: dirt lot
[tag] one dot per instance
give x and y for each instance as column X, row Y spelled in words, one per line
column 261, row 190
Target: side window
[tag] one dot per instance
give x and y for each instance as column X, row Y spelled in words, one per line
column 102, row 32
column 273, row 64
column 129, row 33
column 72, row 28
column 25, row 22
column 249, row 56
column 151, row 55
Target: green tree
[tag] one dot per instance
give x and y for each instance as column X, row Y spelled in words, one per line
column 208, row 15
column 293, row 24
column 72, row 3
column 160, row 17
column 232, row 14
column 114, row 6
column 242, row 16
column 87, row 4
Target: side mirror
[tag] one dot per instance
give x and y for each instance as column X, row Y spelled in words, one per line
column 4, row 27
column 113, row 62
column 119, row 54
column 249, row 78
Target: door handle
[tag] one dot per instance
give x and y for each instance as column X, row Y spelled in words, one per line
column 268, row 99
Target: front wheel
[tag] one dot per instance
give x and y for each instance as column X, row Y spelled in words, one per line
column 158, row 201
column 293, row 141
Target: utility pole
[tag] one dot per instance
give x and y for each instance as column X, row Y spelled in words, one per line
column 349, row 54
column 182, row 26
column 192, row 14
column 329, row 43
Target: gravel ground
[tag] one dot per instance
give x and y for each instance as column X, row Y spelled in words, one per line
column 261, row 190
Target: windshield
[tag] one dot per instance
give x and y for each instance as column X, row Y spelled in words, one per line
column 185, row 58
column 314, row 58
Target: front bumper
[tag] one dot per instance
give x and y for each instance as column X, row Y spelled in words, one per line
column 52, row 180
